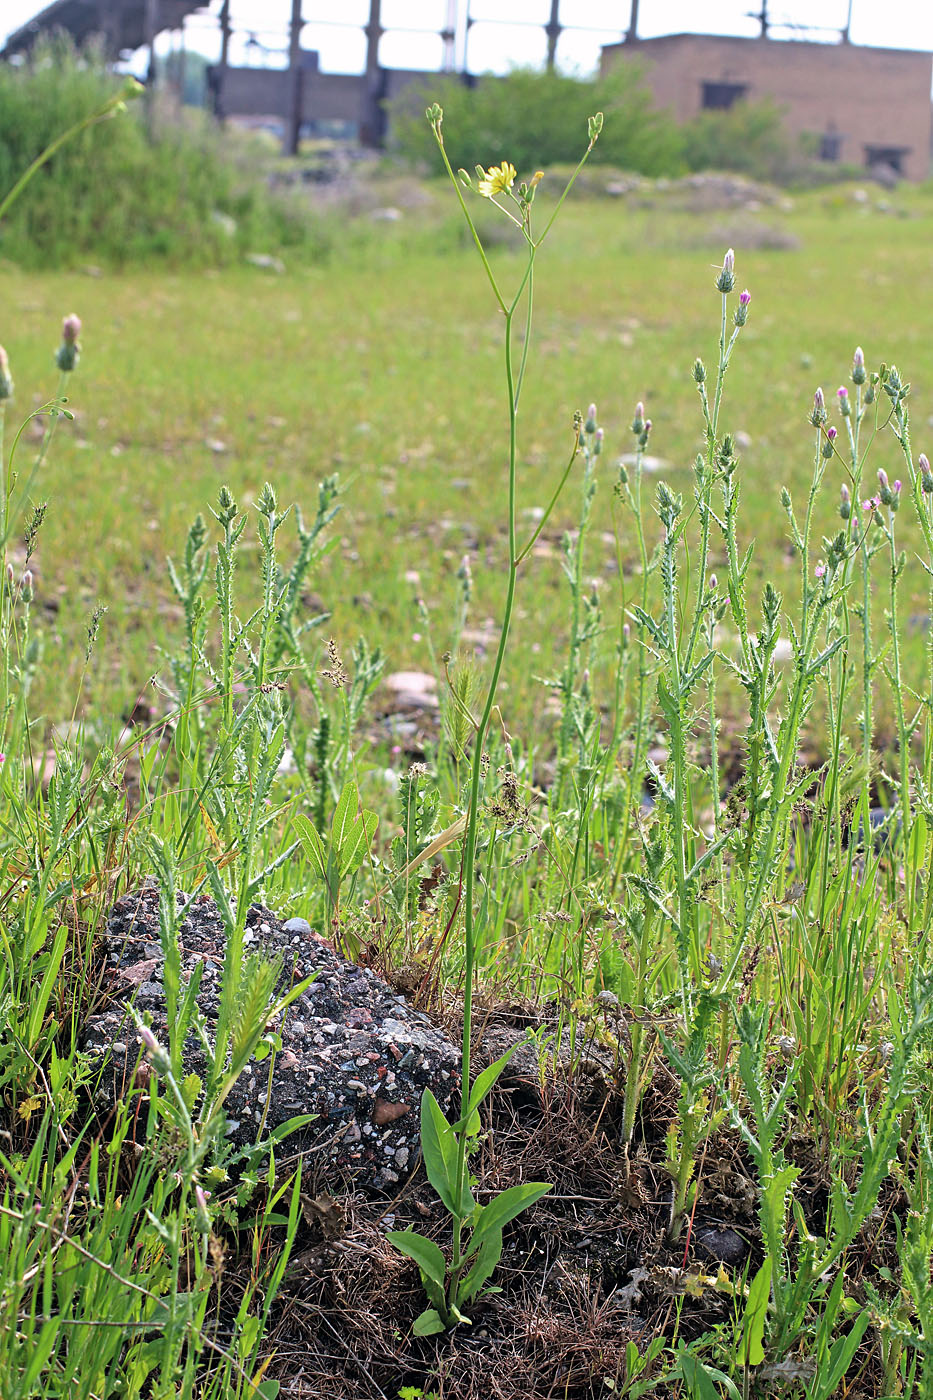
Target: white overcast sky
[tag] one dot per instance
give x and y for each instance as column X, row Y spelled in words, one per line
column 506, row 32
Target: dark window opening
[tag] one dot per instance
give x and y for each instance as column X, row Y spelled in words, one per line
column 830, row 145
column 719, row 97
column 891, row 156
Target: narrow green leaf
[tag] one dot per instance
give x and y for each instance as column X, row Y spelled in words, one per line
column 756, row 1312
column 483, row 1083
column 425, row 1253
column 485, row 1262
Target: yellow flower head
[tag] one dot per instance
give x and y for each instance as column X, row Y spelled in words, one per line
column 497, row 179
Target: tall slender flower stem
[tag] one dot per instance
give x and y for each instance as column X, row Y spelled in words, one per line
column 514, row 381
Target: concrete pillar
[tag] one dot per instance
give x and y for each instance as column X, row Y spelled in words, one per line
column 372, row 117
column 552, row 30
column 292, row 134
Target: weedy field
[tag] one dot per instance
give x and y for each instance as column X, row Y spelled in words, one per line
column 656, row 552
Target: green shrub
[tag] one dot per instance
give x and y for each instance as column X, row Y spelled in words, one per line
column 119, row 195
column 749, row 137
column 535, row 119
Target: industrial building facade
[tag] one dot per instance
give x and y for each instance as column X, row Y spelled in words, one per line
column 861, row 106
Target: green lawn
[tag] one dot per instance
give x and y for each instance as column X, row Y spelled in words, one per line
column 387, row 370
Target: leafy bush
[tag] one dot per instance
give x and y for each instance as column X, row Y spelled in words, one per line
column 536, row 119
column 749, row 137
column 115, row 192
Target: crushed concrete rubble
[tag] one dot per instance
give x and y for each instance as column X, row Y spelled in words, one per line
column 353, row 1051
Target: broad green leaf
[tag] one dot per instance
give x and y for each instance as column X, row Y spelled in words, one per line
column 756, row 1313
column 505, row 1207
column 344, row 817
column 358, row 842
column 485, row 1262
column 313, row 845
column 428, row 1323
column 439, row 1149
column 425, row 1253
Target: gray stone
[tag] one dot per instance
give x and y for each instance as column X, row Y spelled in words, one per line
column 362, row 1075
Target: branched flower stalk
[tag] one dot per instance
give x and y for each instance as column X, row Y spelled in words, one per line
column 495, row 184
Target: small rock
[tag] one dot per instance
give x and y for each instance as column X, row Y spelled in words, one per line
column 266, row 261
column 385, row 1112
column 720, row 1242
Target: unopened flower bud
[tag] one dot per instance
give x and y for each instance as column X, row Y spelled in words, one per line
column 726, row 280
column 6, row 379
column 713, row 582
column 699, row 371
column 845, row 504
column 740, row 315
column 818, row 416
column 895, row 495
column 842, row 394
column 926, row 473
column 885, row 488
column 598, row 443
column 590, row 425
column 638, row 422
column 153, row 1050
column 9, row 576
column 626, row 634
column 858, row 366
column 68, row 352
column 26, row 588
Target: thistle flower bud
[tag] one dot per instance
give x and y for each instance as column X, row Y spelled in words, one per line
column 842, row 394
column 626, row 634
column 713, row 582
column 884, row 492
column 820, row 570
column 153, row 1050
column 726, row 279
column 740, row 316
column 638, row 422
column 699, row 371
column 598, row 443
column 845, row 503
column 818, row 416
column 926, row 473
column 858, row 366
column 828, row 444
column 26, row 588
column 895, row 496
column 6, row 379
column 66, row 357
column 590, row 425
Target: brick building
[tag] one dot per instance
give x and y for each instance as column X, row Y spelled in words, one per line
column 863, row 106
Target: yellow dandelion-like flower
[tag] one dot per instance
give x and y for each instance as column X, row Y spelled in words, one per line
column 497, row 179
